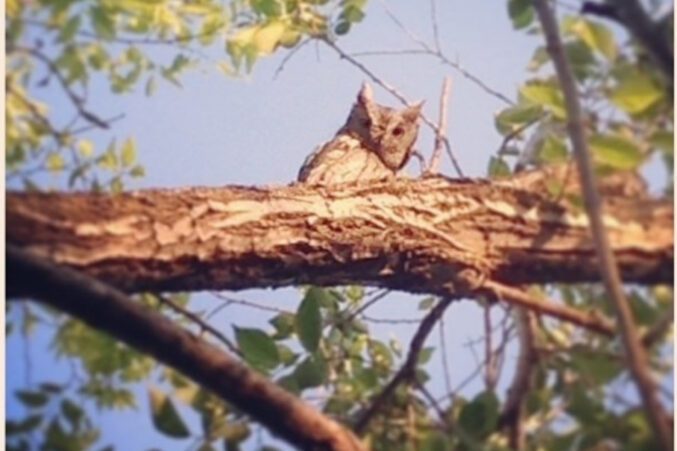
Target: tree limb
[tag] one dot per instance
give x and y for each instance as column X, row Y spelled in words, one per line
column 634, row 353
column 111, row 311
column 409, row 235
column 408, row 370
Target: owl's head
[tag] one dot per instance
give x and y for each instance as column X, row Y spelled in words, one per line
column 388, row 132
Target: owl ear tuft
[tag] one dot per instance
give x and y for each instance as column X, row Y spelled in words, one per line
column 413, row 111
column 365, row 95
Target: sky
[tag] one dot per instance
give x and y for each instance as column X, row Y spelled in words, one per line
column 257, row 130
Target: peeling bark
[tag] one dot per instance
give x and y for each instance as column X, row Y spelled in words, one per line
column 411, row 235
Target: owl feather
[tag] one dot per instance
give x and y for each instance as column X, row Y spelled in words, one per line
column 374, row 143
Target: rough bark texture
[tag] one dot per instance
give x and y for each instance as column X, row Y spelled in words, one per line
column 151, row 332
column 412, row 235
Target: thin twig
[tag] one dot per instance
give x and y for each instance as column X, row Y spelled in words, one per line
column 408, row 370
column 75, row 100
column 442, row 57
column 593, row 321
column 200, row 322
column 434, row 165
column 512, row 413
column 246, row 303
column 489, row 356
column 433, row 20
column 288, row 57
column 634, row 353
column 376, row 79
column 375, row 298
column 445, row 361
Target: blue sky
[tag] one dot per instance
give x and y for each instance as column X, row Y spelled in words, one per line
column 257, row 130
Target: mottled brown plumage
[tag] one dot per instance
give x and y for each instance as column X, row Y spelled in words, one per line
column 375, row 142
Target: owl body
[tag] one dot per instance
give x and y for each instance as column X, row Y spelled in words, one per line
column 375, row 143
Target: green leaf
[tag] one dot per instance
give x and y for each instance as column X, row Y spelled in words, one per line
column 635, row 93
column 164, row 415
column 267, row 38
column 515, row 117
column 287, row 356
column 479, row 417
column 284, row 324
column 32, row 398
column 596, row 36
column 598, row 368
column 72, row 412
column 85, row 147
column 116, row 185
column 342, row 28
column 20, row 427
column 137, row 171
column 553, row 150
column 663, row 140
column 257, row 348
column 54, row 162
column 310, row 372
column 380, row 355
column 538, row 59
column 128, row 152
column 102, row 22
column 521, row 13
column 270, row 8
column 352, row 14
column 426, row 303
column 546, row 94
column 69, row 29
column 497, row 167
column 309, row 319
column 437, row 441
column 425, row 355
column 615, row 151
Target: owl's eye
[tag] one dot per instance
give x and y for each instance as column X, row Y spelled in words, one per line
column 397, row 131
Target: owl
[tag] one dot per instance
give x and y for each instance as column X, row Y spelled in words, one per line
column 375, row 143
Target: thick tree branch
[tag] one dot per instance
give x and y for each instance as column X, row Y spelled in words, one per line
column 410, row 235
column 634, row 353
column 111, row 311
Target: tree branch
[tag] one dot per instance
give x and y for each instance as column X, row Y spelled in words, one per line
column 75, row 99
column 634, row 352
column 434, row 165
column 152, row 333
column 408, row 370
column 409, row 235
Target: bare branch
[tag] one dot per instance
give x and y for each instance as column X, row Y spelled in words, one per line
column 154, row 334
column 434, row 165
column 634, row 352
column 443, row 58
column 407, row 372
column 512, row 412
column 592, row 320
column 205, row 326
column 74, row 98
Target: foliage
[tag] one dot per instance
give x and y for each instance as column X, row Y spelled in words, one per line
column 325, row 350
